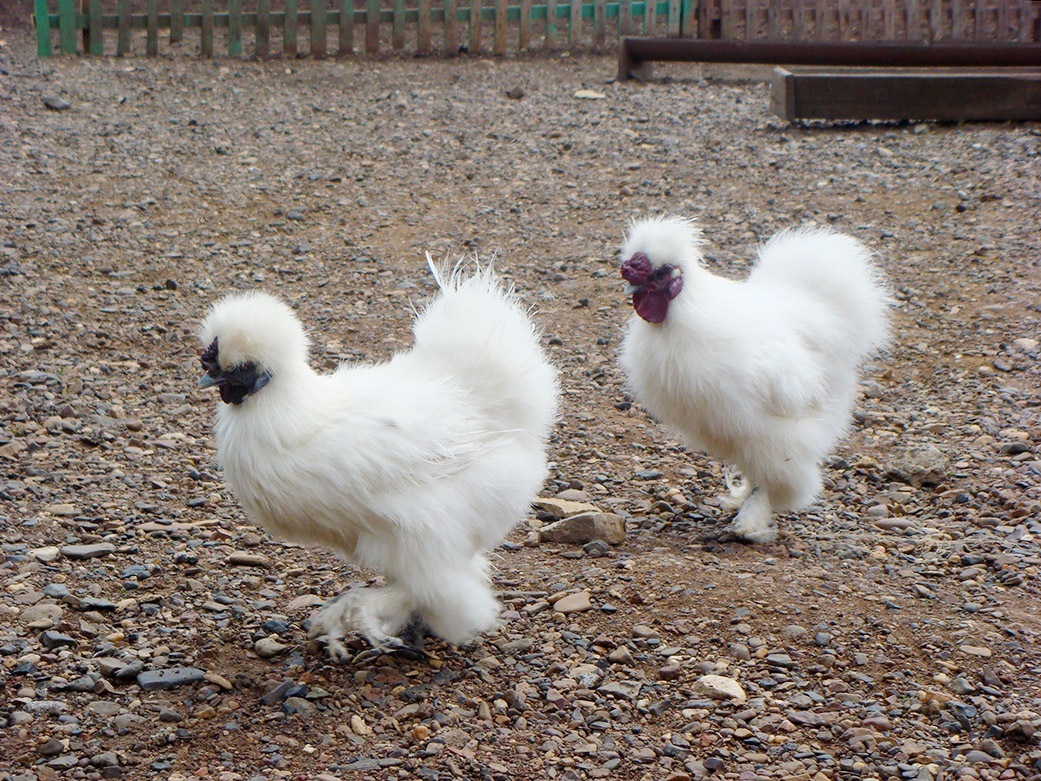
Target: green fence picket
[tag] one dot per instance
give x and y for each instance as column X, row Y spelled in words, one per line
column 346, row 42
column 67, row 26
column 262, row 47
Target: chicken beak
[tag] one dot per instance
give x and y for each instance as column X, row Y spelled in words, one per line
column 207, row 381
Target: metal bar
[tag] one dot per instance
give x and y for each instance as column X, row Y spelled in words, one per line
column 636, row 51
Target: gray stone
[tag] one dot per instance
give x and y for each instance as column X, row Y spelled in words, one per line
column 105, row 759
column 51, row 639
column 151, row 680
column 80, row 552
column 922, row 465
column 585, row 527
column 105, row 708
column 624, row 689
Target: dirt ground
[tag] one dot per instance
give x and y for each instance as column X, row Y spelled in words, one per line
column 893, row 630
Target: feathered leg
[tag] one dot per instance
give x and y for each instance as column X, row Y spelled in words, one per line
column 460, row 605
column 755, row 520
column 378, row 614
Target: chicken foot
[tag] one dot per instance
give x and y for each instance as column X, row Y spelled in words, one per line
column 380, row 615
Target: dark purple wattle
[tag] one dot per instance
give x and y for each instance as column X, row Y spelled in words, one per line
column 651, row 305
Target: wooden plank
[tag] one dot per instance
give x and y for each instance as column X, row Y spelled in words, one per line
column 889, row 19
column 67, row 26
column 423, row 32
column 574, row 30
column 600, row 24
column 674, row 19
column 397, row 30
column 625, row 18
column 319, row 29
column 551, row 24
column 372, row 26
column 1002, row 25
column 524, row 35
column 650, row 17
column 235, row 28
column 451, row 28
column 42, row 20
column 773, row 19
column 945, row 94
column 123, row 36
column 475, row 26
column 689, row 20
column 262, row 48
column 914, row 21
column 151, row 28
column 345, row 45
column 290, row 23
column 799, row 20
column 820, row 17
column 935, row 23
column 501, row 26
column 94, row 43
column 176, row 21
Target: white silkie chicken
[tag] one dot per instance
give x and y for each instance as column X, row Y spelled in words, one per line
column 414, row 467
column 760, row 373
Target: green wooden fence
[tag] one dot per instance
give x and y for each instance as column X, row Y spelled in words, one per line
column 372, row 26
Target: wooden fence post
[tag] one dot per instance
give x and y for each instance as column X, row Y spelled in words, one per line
column 346, row 44
column 151, row 28
column 451, row 28
column 423, row 28
column 319, row 31
column 94, row 42
column 372, row 27
column 206, row 43
column 176, row 20
column 289, row 24
column 123, row 37
column 262, row 45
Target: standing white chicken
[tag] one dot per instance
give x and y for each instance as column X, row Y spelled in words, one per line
column 414, row 467
column 759, row 373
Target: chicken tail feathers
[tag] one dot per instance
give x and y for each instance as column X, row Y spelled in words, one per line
column 479, row 331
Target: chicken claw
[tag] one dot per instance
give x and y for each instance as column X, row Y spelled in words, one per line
column 378, row 615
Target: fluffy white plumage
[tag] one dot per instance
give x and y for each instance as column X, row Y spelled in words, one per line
column 414, row 467
column 760, row 373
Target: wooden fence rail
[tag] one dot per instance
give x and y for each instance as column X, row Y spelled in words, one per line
column 451, row 26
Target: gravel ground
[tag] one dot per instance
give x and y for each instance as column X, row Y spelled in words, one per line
column 148, row 630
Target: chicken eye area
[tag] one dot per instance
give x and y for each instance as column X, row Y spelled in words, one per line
column 209, row 361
